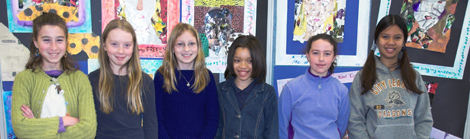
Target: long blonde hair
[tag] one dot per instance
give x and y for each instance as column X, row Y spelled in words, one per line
column 170, row 63
column 106, row 83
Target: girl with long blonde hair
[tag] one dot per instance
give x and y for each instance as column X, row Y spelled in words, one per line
column 124, row 95
column 186, row 94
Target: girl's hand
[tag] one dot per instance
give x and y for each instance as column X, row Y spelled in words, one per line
column 69, row 121
column 27, row 112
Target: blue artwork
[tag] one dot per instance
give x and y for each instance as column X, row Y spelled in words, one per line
column 352, row 42
column 7, row 106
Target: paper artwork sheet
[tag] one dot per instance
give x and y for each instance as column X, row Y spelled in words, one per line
column 345, row 20
column 6, row 96
column 312, row 17
column 150, row 19
column 219, row 23
column 439, row 134
column 14, row 55
column 21, row 13
column 84, row 42
column 429, row 23
column 343, row 77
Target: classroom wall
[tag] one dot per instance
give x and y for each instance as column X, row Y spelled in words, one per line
column 449, row 107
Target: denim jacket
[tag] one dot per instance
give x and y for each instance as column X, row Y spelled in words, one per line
column 257, row 120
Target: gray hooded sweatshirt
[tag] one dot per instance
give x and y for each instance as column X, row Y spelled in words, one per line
column 389, row 110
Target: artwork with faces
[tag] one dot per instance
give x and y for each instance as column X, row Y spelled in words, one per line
column 218, row 24
column 218, row 28
column 429, row 23
column 312, row 17
column 149, row 18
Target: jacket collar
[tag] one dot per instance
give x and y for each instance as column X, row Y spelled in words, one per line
column 315, row 78
column 256, row 87
column 229, row 93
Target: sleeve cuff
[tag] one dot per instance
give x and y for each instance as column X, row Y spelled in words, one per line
column 61, row 125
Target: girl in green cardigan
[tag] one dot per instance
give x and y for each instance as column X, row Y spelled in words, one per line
column 51, row 98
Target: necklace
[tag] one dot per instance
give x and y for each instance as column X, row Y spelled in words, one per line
column 187, row 82
column 394, row 65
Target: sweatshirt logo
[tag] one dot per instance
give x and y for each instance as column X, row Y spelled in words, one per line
column 394, row 113
column 393, row 99
column 382, row 85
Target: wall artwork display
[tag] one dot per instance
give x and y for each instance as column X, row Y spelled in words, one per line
column 219, row 22
column 312, row 17
column 429, row 23
column 76, row 13
column 84, row 42
column 457, row 70
column 345, row 20
column 6, row 96
column 149, row 66
column 13, row 54
column 150, row 18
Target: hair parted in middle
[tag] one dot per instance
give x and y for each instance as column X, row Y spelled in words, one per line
column 330, row 40
column 170, row 62
column 257, row 56
column 408, row 74
column 106, row 83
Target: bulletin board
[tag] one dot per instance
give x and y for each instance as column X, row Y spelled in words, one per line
column 449, row 69
column 352, row 53
column 86, row 42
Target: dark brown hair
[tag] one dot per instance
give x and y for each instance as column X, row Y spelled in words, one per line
column 330, row 40
column 35, row 62
column 257, row 56
column 408, row 74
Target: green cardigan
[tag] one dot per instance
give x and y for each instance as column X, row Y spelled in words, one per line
column 30, row 88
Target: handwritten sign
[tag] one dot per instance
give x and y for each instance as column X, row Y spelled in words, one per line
column 457, row 71
column 343, row 77
column 152, row 50
column 216, row 65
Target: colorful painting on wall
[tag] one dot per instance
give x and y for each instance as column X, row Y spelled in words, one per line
column 436, row 26
column 76, row 13
column 150, row 18
column 219, row 22
column 345, row 20
column 429, row 23
column 6, row 96
column 312, row 17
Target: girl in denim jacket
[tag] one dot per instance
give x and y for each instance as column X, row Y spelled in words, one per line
column 248, row 106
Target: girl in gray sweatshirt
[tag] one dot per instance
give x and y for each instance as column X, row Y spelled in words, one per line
column 388, row 97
